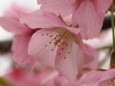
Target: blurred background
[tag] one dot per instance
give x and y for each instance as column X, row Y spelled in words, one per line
column 6, row 37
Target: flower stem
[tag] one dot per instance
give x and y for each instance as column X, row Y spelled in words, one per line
column 113, row 33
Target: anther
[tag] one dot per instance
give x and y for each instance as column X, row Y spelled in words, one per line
column 65, row 36
column 69, row 52
column 51, row 35
column 66, row 44
column 55, row 42
column 77, row 26
column 62, row 48
column 55, row 38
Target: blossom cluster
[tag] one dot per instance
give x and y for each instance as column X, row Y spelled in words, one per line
column 53, row 36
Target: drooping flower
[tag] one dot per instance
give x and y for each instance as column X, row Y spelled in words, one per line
column 101, row 78
column 10, row 22
column 57, row 44
column 88, row 14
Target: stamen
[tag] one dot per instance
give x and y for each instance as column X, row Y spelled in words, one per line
column 51, row 35
column 63, row 38
column 58, row 40
column 77, row 26
column 69, row 52
column 66, row 44
column 62, row 48
column 50, row 41
column 53, row 48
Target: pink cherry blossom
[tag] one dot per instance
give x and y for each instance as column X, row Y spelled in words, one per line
column 10, row 22
column 88, row 14
column 57, row 44
column 102, row 78
column 43, row 77
column 20, row 77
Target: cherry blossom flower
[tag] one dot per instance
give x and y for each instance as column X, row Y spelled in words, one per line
column 20, row 77
column 57, row 44
column 42, row 77
column 88, row 14
column 101, row 78
column 10, row 22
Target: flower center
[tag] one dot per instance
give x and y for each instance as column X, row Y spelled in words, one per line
column 61, row 37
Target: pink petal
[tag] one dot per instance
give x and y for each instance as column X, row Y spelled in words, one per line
column 20, row 77
column 41, row 48
column 17, row 77
column 49, row 79
column 88, row 19
column 19, row 48
column 62, row 7
column 98, row 76
column 40, row 19
column 87, row 50
column 66, row 61
column 93, row 54
column 62, row 81
column 108, row 74
column 104, row 83
column 10, row 22
column 95, row 84
column 68, row 20
column 91, row 77
column 102, row 5
column 74, row 30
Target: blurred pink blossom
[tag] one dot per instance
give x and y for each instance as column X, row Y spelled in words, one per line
column 10, row 22
column 20, row 77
